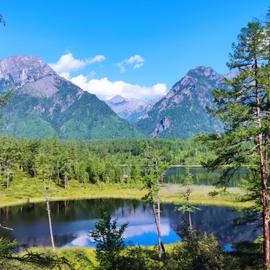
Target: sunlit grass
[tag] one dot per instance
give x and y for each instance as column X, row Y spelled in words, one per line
column 78, row 257
column 29, row 190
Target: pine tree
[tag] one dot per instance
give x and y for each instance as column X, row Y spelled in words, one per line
column 245, row 110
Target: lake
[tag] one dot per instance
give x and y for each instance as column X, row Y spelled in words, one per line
column 201, row 176
column 72, row 221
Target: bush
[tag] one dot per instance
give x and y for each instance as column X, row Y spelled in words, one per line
column 109, row 242
column 197, row 252
column 137, row 258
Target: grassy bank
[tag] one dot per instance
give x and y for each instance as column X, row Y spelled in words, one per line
column 25, row 190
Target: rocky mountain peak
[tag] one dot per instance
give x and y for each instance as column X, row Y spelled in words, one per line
column 201, row 74
column 207, row 72
column 183, row 111
column 23, row 69
column 130, row 109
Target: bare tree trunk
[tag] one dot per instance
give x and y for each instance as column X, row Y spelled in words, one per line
column 9, row 178
column 189, row 221
column 7, row 181
column 266, row 213
column 49, row 218
column 263, row 151
column 158, row 222
column 160, row 243
column 264, row 179
column 66, row 180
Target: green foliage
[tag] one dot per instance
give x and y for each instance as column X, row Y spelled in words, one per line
column 237, row 107
column 197, row 252
column 78, row 258
column 6, row 247
column 155, row 165
column 245, row 111
column 94, row 162
column 249, row 255
column 75, row 259
column 109, row 242
column 186, row 206
column 138, row 258
column 5, row 98
column 11, row 260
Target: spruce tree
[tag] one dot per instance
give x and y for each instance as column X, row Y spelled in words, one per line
column 109, row 241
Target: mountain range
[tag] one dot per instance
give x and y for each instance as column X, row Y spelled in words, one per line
column 44, row 104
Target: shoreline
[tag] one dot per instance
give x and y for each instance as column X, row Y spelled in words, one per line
column 23, row 194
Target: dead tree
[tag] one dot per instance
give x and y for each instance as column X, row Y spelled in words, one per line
column 49, row 217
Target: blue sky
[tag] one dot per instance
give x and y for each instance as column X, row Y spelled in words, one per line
column 126, row 46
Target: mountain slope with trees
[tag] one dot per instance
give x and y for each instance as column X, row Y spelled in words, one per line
column 183, row 111
column 44, row 104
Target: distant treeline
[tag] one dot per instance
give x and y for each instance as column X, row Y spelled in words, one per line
column 90, row 161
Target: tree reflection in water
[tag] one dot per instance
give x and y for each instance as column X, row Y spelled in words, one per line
column 72, row 220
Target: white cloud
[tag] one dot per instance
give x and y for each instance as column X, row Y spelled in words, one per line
column 67, row 63
column 138, row 230
column 96, row 59
column 105, row 89
column 135, row 61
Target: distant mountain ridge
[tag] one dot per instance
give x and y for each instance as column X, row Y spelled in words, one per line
column 130, row 109
column 183, row 111
column 45, row 104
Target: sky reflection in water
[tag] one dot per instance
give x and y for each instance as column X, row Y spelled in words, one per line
column 73, row 220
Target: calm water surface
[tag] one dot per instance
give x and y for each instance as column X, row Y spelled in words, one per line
column 201, row 176
column 72, row 221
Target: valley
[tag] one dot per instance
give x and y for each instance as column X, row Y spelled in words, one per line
column 133, row 136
